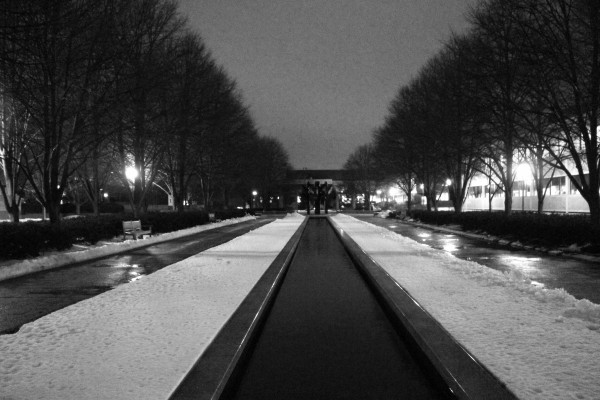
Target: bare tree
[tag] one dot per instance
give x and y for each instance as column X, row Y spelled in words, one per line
column 271, row 163
column 184, row 103
column 58, row 53
column 147, row 29
column 14, row 126
column 395, row 161
column 562, row 45
column 497, row 60
column 362, row 168
column 455, row 117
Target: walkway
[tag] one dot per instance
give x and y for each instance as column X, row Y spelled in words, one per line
column 30, row 297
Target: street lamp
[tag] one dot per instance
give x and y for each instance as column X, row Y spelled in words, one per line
column 254, row 193
column 131, row 173
column 523, row 173
column 448, row 183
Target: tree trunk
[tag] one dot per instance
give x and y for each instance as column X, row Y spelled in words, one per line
column 54, row 212
column 593, row 198
column 509, row 182
column 595, row 212
column 508, row 204
column 14, row 212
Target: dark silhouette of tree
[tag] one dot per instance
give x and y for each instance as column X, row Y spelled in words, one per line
column 14, row 131
column 459, row 111
column 148, row 30
column 498, row 61
column 57, row 61
column 183, row 102
column 395, row 160
column 361, row 168
column 562, row 45
column 271, row 163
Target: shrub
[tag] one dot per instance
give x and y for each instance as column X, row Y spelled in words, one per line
column 104, row 208
column 172, row 221
column 68, row 208
column 545, row 229
column 227, row 214
column 29, row 239
column 22, row 240
column 31, row 207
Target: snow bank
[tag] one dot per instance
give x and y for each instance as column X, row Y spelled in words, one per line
column 542, row 343
column 384, row 214
column 13, row 269
column 138, row 340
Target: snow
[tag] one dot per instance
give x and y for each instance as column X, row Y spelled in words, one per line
column 542, row 343
column 384, row 214
column 11, row 269
column 138, row 340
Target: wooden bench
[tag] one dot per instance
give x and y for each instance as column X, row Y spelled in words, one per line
column 135, row 229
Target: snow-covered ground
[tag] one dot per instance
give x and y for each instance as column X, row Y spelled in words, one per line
column 138, row 340
column 544, row 344
column 13, row 268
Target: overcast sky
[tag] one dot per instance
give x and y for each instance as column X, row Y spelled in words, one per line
column 320, row 74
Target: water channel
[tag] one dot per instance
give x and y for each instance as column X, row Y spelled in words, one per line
column 327, row 336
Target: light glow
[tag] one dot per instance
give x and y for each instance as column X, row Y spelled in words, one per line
column 131, row 173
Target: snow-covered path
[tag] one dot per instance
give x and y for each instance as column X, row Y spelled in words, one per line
column 544, row 344
column 138, row 340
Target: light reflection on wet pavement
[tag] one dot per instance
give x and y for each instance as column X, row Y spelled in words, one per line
column 578, row 277
column 30, row 297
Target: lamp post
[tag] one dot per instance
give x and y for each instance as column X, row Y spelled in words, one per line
column 523, row 172
column 131, row 173
column 254, row 193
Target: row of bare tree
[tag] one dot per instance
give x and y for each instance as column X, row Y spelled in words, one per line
column 89, row 88
column 522, row 85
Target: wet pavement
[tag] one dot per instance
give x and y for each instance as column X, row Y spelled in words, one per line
column 30, row 297
column 578, row 277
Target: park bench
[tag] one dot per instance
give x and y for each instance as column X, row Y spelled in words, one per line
column 135, row 229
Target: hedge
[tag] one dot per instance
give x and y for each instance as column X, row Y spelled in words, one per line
column 228, row 214
column 542, row 229
column 29, row 239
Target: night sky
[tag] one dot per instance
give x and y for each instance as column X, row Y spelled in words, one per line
column 320, row 74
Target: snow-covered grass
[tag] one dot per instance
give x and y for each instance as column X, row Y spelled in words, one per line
column 13, row 268
column 139, row 340
column 544, row 344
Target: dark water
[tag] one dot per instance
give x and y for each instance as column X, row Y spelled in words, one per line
column 326, row 336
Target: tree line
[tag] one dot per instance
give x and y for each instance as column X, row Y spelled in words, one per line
column 91, row 88
column 520, row 87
